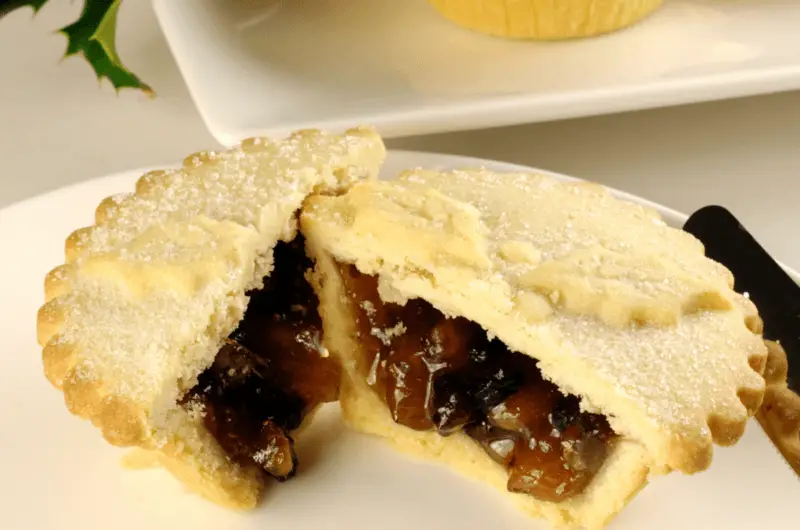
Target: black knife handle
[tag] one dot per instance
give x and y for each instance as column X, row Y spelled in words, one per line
column 774, row 292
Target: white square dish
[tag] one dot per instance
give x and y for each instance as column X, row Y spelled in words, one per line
column 263, row 68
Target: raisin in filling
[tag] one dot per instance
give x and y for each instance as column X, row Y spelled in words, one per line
column 445, row 374
column 271, row 372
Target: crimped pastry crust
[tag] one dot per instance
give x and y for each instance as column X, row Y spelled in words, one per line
column 545, row 19
column 617, row 307
column 149, row 293
column 779, row 415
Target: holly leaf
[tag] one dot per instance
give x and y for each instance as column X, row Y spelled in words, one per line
column 7, row 6
column 94, row 36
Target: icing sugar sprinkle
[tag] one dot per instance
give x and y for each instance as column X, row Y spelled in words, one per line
column 630, row 302
column 142, row 324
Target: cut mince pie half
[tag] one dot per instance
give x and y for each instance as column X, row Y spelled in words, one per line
column 182, row 323
column 539, row 335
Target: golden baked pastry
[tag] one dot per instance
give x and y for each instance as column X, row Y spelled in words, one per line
column 545, row 19
column 539, row 335
column 779, row 414
column 181, row 323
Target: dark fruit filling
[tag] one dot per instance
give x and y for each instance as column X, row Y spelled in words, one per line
column 444, row 373
column 271, row 372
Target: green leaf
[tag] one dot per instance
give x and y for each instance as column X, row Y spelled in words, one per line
column 7, row 6
column 94, row 36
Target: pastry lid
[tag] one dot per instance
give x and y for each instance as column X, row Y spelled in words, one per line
column 618, row 308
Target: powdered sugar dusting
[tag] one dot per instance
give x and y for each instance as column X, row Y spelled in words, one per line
column 158, row 284
column 651, row 324
column 642, row 270
column 250, row 185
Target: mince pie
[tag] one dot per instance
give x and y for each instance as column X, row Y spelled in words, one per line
column 182, row 323
column 542, row 336
column 539, row 335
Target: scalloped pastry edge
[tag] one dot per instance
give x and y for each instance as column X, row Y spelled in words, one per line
column 122, row 422
column 779, row 414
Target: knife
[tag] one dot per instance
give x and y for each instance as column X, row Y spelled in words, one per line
column 777, row 297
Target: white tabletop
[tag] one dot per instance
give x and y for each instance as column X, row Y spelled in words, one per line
column 57, row 128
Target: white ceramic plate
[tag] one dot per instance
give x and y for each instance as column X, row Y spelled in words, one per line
column 58, row 474
column 258, row 70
